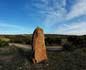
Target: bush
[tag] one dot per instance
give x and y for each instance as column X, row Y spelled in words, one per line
column 3, row 43
column 52, row 41
column 69, row 46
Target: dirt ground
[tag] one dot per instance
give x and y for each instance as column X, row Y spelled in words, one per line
column 12, row 58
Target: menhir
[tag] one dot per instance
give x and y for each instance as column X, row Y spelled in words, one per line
column 38, row 46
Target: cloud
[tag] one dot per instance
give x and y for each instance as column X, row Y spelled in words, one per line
column 55, row 14
column 59, row 16
column 5, row 25
column 75, row 28
column 78, row 9
column 55, row 11
column 11, row 29
column 52, row 10
column 53, row 18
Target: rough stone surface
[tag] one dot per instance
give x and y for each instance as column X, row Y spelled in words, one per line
column 38, row 46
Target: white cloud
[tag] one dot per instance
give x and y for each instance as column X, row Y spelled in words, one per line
column 53, row 18
column 11, row 29
column 76, row 28
column 53, row 10
column 56, row 13
column 9, row 25
column 78, row 9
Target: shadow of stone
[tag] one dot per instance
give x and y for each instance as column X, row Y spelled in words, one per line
column 27, row 55
column 44, row 65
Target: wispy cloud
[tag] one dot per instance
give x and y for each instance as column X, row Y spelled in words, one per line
column 77, row 10
column 56, row 11
column 75, row 28
column 9, row 25
column 56, row 14
column 11, row 29
column 53, row 10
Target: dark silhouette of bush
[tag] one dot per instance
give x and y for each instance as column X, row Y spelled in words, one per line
column 68, row 47
column 21, row 39
column 52, row 41
column 3, row 43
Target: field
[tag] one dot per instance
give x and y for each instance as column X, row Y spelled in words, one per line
column 64, row 53
column 13, row 58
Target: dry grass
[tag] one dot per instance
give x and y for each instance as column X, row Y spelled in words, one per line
column 19, row 59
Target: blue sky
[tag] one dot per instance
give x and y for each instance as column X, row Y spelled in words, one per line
column 54, row 16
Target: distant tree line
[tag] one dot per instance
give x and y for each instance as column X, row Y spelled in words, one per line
column 74, row 42
column 67, row 41
column 21, row 39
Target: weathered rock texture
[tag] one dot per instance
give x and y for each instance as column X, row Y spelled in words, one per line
column 38, row 46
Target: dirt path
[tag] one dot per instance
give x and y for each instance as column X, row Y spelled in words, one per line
column 20, row 45
column 29, row 46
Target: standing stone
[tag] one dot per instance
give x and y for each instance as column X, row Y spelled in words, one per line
column 38, row 46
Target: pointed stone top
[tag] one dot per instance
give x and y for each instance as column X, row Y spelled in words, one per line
column 38, row 28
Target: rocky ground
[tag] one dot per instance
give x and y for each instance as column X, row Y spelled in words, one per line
column 12, row 58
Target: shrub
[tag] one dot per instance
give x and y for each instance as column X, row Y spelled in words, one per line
column 3, row 43
column 69, row 46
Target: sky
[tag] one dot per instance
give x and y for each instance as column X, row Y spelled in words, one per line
column 53, row 16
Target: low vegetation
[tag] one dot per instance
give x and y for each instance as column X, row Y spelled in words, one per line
column 50, row 39
column 19, row 59
column 72, row 57
column 3, row 43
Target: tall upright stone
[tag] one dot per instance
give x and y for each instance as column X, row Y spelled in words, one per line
column 38, row 46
